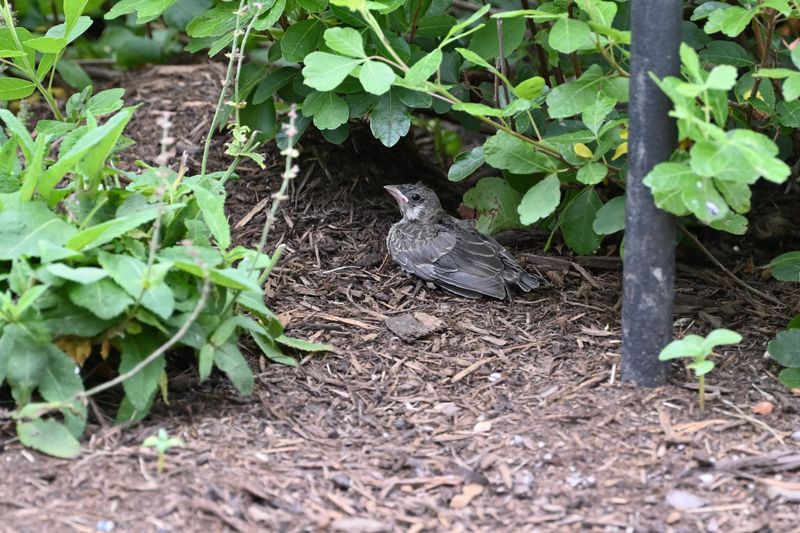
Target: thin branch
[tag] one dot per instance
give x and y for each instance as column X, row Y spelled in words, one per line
column 705, row 251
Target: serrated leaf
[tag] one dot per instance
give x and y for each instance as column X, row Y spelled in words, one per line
column 129, row 272
column 212, row 206
column 104, row 298
column 24, row 225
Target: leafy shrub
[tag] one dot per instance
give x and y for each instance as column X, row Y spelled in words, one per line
column 785, row 347
column 125, row 273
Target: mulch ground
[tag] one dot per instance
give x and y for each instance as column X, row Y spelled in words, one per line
column 511, row 417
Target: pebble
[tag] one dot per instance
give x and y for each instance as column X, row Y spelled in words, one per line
column 341, row 481
column 796, row 436
column 684, row 500
column 523, row 484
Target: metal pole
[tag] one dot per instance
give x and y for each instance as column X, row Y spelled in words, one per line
column 649, row 263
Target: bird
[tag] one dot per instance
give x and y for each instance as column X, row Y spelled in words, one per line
column 450, row 252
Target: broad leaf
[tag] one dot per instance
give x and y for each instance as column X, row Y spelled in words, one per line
column 540, row 201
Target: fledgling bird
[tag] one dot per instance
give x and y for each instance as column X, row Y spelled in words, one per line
column 450, row 252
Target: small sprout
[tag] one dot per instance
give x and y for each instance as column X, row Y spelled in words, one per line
column 162, row 443
column 699, row 349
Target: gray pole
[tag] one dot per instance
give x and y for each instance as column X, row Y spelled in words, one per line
column 649, row 263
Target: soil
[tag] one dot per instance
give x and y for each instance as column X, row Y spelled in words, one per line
column 509, row 417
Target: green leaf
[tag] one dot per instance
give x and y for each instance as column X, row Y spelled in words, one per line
column 261, row 118
column 313, row 6
column 592, row 173
column 722, row 77
column 73, row 73
column 212, row 205
column 182, row 12
column 301, row 38
column 435, row 26
column 230, row 360
column 346, row 41
column 727, row 53
column 129, row 272
column 731, row 223
column 104, row 298
column 329, row 110
column 594, row 115
column 568, row 35
column 324, row 71
column 576, row 96
column 141, row 387
column 375, row 77
column 105, row 102
column 271, row 350
column 23, row 360
column 790, row 377
column 495, row 202
column 791, row 87
column 530, row 88
column 69, row 319
column 484, row 42
column 731, row 21
column 390, row 119
column 303, row 345
column 423, row 69
column 105, row 232
column 720, row 337
column 611, row 217
column 786, row 267
column 789, row 113
column 273, row 82
column 50, row 437
column 701, row 197
column 24, row 225
column 687, row 347
column 577, row 221
column 15, row 88
column 540, row 201
column 146, row 10
column 466, row 163
column 785, row 348
column 701, row 368
column 504, row 151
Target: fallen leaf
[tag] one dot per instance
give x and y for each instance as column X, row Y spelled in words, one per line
column 470, row 491
column 78, row 348
column 762, row 408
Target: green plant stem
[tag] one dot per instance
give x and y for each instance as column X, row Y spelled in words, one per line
column 31, row 69
column 158, row 352
column 701, row 391
column 240, row 59
column 223, row 92
column 609, row 56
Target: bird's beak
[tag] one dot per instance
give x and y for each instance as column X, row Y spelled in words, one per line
column 399, row 196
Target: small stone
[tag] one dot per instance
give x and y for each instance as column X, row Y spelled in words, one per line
column 401, row 423
column 684, row 500
column 105, row 526
column 673, row 518
column 796, row 436
column 523, row 484
column 341, row 481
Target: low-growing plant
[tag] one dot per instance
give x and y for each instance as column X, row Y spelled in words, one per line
column 162, row 443
column 699, row 349
column 99, row 266
column 785, row 347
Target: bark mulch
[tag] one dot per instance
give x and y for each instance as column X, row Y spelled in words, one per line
column 506, row 417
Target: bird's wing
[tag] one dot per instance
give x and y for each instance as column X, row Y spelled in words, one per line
column 459, row 258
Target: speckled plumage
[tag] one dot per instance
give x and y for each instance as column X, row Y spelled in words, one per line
column 450, row 252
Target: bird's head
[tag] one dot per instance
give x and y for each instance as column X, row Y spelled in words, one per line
column 416, row 202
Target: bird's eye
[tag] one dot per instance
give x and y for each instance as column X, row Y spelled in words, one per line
column 415, row 197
